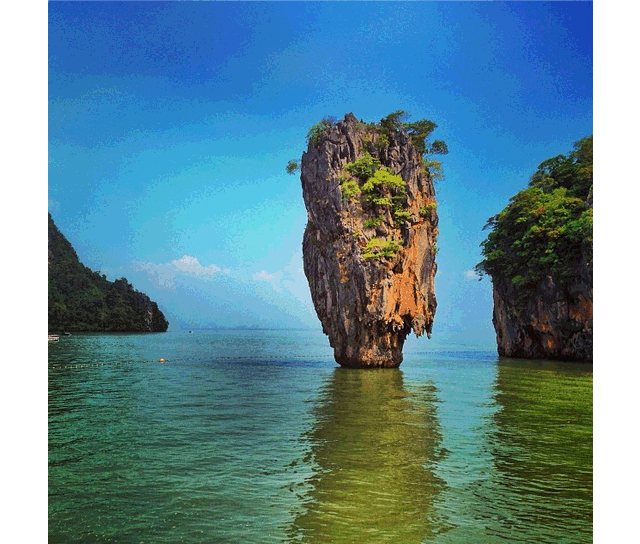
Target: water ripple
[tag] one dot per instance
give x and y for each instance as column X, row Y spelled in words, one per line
column 258, row 437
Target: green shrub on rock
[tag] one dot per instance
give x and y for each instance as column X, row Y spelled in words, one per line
column 376, row 248
column 364, row 167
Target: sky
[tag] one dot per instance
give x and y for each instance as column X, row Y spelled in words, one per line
column 170, row 125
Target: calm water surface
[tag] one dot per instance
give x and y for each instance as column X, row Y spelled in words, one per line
column 258, row 437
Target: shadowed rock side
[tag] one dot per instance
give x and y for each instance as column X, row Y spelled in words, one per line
column 557, row 323
column 368, row 299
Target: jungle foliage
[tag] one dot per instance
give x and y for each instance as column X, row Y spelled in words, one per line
column 380, row 189
column 377, row 184
column 418, row 130
column 292, row 167
column 546, row 229
column 83, row 300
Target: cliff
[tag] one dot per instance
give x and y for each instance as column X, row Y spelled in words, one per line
column 369, row 247
column 555, row 323
column 82, row 300
column 540, row 259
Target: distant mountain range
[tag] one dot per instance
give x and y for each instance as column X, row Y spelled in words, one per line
column 83, row 300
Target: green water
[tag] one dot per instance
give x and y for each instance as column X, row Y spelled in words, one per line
column 258, row 437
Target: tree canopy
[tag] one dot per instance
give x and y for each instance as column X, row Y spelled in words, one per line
column 546, row 229
column 418, row 130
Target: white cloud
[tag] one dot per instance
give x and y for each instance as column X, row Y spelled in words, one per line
column 162, row 274
column 262, row 276
column 471, row 275
column 165, row 273
column 233, row 296
column 290, row 279
column 273, row 279
column 192, row 265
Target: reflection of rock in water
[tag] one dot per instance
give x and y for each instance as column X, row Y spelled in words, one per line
column 543, row 452
column 374, row 446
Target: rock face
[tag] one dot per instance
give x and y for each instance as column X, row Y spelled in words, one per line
column 369, row 257
column 557, row 323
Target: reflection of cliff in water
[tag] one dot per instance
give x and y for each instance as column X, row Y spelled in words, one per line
column 543, row 451
column 374, row 446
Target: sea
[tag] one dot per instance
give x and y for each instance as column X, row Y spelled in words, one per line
column 257, row 436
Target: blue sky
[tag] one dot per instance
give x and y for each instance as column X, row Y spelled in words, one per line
column 170, row 125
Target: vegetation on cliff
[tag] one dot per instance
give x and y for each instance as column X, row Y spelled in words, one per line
column 82, row 300
column 546, row 229
column 380, row 192
column 418, row 130
column 392, row 124
column 375, row 187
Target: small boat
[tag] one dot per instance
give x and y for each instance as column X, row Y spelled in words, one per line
column 67, row 334
column 53, row 338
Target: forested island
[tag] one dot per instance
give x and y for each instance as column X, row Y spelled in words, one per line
column 539, row 255
column 83, row 300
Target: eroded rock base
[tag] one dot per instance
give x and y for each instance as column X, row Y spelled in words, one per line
column 556, row 324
